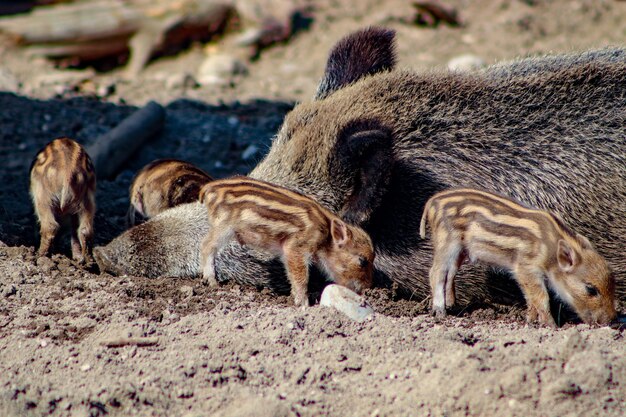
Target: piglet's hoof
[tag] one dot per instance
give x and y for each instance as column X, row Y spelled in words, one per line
column 210, row 282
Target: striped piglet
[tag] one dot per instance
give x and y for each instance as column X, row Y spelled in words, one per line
column 286, row 223
column 62, row 185
column 534, row 245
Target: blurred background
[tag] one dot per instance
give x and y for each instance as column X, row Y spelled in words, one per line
column 225, row 50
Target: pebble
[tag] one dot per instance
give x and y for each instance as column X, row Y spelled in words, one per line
column 249, row 152
column 249, row 37
column 186, row 291
column 346, row 301
column 8, row 82
column 181, row 80
column 588, row 370
column 63, row 78
column 85, row 367
column 574, row 344
column 466, row 63
column 11, row 290
column 106, row 89
column 219, row 69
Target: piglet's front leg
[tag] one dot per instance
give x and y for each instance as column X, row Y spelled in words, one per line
column 298, row 274
column 536, row 295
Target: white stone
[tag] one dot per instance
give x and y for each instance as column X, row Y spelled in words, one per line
column 219, row 69
column 346, row 301
column 466, row 62
column 63, row 79
column 249, row 152
column 180, row 80
column 8, row 82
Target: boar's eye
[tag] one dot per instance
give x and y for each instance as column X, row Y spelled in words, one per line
column 363, row 262
column 592, row 291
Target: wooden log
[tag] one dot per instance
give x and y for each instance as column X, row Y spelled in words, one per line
column 111, row 150
column 83, row 50
column 98, row 28
column 80, row 21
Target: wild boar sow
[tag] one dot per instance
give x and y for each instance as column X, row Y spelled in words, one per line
column 375, row 143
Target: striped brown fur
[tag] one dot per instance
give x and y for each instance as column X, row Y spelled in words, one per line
column 63, row 184
column 285, row 223
column 163, row 184
column 533, row 244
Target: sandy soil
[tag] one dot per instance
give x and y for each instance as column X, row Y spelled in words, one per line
column 241, row 351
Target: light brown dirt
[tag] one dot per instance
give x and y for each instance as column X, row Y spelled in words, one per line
column 241, row 351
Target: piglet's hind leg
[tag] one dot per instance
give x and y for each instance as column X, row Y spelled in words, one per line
column 457, row 257
column 442, row 274
column 207, row 258
column 48, row 227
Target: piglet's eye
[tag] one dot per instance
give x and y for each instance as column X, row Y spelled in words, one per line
column 592, row 291
column 363, row 262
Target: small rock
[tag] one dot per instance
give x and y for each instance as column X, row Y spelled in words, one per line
column 519, row 382
column 82, row 323
column 346, row 301
column 187, row 291
column 46, row 264
column 12, row 290
column 575, row 343
column 250, row 405
column 466, row 63
column 562, row 388
column 219, row 69
column 249, row 152
column 181, row 80
column 63, row 78
column 249, row 37
column 85, row 367
column 106, row 89
column 8, row 82
column 588, row 370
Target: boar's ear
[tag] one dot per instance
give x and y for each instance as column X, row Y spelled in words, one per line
column 363, row 154
column 361, row 53
column 566, row 256
column 339, row 232
column 584, row 242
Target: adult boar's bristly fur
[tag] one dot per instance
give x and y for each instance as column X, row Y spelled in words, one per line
column 377, row 143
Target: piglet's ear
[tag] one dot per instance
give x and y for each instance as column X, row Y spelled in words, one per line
column 339, row 232
column 364, row 155
column 366, row 52
column 584, row 242
column 566, row 256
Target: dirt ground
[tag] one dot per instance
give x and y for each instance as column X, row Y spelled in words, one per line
column 240, row 351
